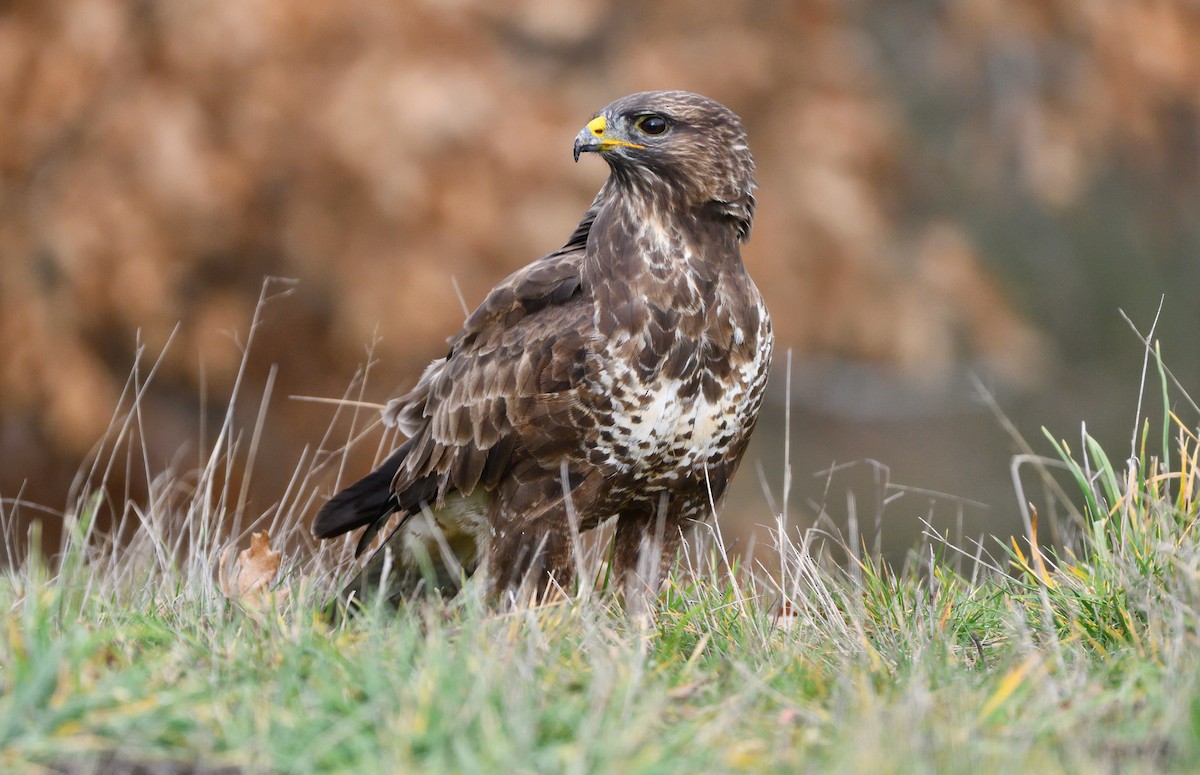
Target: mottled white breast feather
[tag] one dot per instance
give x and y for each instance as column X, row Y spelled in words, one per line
column 661, row 429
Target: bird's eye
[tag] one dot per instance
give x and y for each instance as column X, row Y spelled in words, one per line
column 652, row 125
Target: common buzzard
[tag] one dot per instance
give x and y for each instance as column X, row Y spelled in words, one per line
column 619, row 376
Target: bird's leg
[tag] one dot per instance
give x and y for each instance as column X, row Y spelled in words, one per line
column 645, row 547
column 533, row 559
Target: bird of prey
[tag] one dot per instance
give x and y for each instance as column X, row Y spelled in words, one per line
column 619, row 376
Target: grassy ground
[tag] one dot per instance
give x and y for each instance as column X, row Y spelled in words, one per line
column 968, row 659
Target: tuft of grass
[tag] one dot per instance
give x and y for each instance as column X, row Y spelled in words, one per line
column 123, row 650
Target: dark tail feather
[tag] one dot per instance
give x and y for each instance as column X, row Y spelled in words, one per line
column 367, row 501
column 370, row 501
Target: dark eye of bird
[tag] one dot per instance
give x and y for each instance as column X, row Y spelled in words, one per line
column 652, row 125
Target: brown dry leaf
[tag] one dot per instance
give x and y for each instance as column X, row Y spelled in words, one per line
column 255, row 569
column 786, row 617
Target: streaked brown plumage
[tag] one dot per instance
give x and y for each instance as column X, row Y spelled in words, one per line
column 627, row 368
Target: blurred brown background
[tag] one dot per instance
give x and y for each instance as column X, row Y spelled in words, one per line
column 947, row 188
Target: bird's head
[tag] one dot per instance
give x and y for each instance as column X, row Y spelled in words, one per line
column 695, row 146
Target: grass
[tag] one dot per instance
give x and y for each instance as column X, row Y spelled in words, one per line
column 985, row 658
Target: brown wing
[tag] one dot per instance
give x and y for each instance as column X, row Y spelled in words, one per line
column 514, row 363
column 517, row 361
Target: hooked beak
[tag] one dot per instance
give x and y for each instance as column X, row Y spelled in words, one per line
column 595, row 138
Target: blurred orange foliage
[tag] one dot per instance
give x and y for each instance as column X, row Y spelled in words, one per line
column 158, row 158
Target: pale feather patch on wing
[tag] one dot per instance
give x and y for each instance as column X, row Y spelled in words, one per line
column 458, row 530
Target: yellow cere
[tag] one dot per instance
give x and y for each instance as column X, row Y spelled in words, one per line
column 598, row 125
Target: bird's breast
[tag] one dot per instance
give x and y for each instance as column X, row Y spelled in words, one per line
column 661, row 426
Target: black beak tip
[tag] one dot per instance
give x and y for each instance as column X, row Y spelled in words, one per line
column 577, row 151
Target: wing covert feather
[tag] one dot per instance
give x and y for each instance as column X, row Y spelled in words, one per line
column 520, row 351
